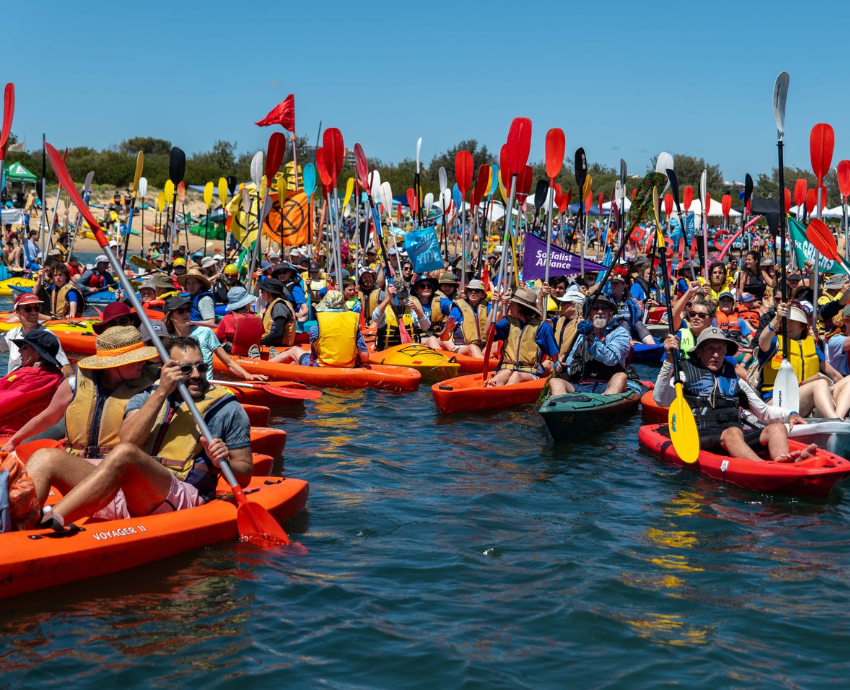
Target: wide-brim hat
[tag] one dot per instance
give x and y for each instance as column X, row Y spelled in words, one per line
column 836, row 281
column 424, row 278
column 476, row 284
column 272, row 285
column 174, row 302
column 526, row 297
column 197, row 275
column 162, row 281
column 116, row 347
column 44, row 343
column 607, row 301
column 285, row 266
column 238, row 297
column 715, row 333
column 449, row 279
column 113, row 311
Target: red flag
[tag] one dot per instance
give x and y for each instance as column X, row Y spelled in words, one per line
column 282, row 114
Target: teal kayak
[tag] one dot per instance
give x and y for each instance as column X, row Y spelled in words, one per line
column 574, row 415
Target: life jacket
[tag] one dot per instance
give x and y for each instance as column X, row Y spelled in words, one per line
column 368, row 302
column 96, row 281
column 474, row 321
column 648, row 290
column 687, row 342
column 585, row 368
column 628, row 310
column 196, row 313
column 520, row 351
column 436, row 316
column 801, row 354
column 220, row 290
column 176, row 442
column 289, row 330
column 552, row 307
column 565, row 334
column 751, row 316
column 389, row 335
column 20, row 510
column 248, row 330
column 92, row 421
column 59, row 304
column 337, row 342
column 25, row 393
column 714, row 398
column 730, row 325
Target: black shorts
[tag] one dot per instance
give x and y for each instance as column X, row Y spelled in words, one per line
column 709, row 439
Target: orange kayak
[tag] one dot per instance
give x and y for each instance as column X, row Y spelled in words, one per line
column 468, row 394
column 268, row 441
column 378, row 376
column 30, row 563
column 653, row 412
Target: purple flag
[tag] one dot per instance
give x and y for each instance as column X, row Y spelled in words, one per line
column 563, row 263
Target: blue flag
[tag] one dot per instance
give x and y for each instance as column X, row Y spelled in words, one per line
column 423, row 248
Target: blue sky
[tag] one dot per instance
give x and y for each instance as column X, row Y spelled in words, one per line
column 622, row 79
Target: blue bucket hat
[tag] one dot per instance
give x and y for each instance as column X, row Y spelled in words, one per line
column 237, row 298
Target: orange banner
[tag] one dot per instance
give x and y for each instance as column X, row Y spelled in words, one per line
column 290, row 225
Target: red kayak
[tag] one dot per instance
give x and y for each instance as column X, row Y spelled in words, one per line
column 468, row 394
column 813, row 477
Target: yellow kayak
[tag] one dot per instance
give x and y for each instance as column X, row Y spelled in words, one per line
column 6, row 291
column 83, row 325
column 433, row 365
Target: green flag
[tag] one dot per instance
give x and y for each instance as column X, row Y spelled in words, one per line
column 805, row 251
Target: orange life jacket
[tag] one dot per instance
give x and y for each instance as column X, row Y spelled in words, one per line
column 730, row 325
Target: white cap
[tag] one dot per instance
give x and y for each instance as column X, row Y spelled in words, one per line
column 573, row 295
column 274, row 255
column 218, row 257
column 101, row 259
column 113, row 243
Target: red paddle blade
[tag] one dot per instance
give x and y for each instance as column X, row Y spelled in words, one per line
column 634, row 191
column 561, row 201
column 726, row 205
column 523, row 183
column 8, row 115
column 668, row 204
column 811, row 200
column 844, row 177
column 688, row 195
column 519, row 144
column 482, row 184
column 70, row 188
column 588, row 202
column 275, row 154
column 334, row 152
column 463, row 171
column 555, row 147
column 800, row 192
column 707, row 205
column 568, row 199
column 411, row 200
column 181, row 191
column 787, row 201
column 787, row 205
column 820, row 236
column 321, row 166
column 504, row 170
column 294, row 393
column 601, row 199
column 361, row 165
column 821, row 145
column 256, row 524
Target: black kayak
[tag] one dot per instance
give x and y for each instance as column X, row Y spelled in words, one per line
column 574, row 415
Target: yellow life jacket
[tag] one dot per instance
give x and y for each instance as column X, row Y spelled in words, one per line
column 368, row 302
column 436, row 315
column 289, row 331
column 552, row 308
column 337, row 342
column 520, row 352
column 165, row 295
column 92, row 422
column 801, row 354
column 474, row 322
column 565, row 334
column 390, row 335
column 59, row 304
column 176, row 442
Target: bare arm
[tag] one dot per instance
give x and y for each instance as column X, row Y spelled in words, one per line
column 48, row 417
column 235, row 368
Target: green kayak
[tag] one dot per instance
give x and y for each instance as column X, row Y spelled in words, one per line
column 574, row 415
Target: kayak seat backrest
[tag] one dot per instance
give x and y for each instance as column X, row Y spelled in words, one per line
column 248, row 330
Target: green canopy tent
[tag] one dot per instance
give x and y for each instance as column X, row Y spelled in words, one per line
column 15, row 172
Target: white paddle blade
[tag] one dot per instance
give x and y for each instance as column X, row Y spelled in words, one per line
column 786, row 388
column 703, row 184
column 143, row 186
column 257, row 168
column 444, row 180
column 418, row 147
column 375, row 178
column 428, row 202
column 780, row 94
column 387, row 198
column 246, row 200
column 87, row 184
column 662, row 165
column 267, row 206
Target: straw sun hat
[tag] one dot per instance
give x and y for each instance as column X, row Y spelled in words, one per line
column 118, row 346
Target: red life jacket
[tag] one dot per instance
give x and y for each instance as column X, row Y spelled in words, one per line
column 248, row 330
column 730, row 325
column 25, row 393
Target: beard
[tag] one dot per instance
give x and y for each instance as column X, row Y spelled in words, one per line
column 600, row 322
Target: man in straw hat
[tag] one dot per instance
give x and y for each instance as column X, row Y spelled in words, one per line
column 465, row 331
column 162, row 463
column 335, row 340
column 596, row 362
column 714, row 392
column 525, row 338
column 201, row 298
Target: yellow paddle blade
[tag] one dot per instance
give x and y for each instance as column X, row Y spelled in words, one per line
column 169, row 190
column 222, row 191
column 587, row 187
column 657, row 219
column 683, row 428
column 349, row 190
column 263, row 187
column 281, row 185
column 140, row 165
column 208, row 192
column 113, row 216
column 160, row 202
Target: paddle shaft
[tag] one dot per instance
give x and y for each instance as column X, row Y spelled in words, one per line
column 549, row 213
column 783, row 286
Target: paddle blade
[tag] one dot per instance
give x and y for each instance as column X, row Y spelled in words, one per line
column 463, row 171
column 65, row 180
column 523, row 183
column 568, row 197
column 231, row 183
column 519, row 145
column 844, row 178
column 8, row 116
column 176, row 165
column 786, row 196
column 160, row 202
column 181, row 192
column 555, row 146
column 256, row 524
column 208, row 194
column 726, row 205
column 482, row 184
column 786, row 388
column 257, row 169
column 418, row 148
column 668, row 204
column 428, row 202
column 800, row 191
column 821, row 146
column 276, row 152
column 361, row 166
column 821, row 238
column 411, row 200
column 387, row 198
column 581, row 168
column 309, row 179
column 540, row 193
column 222, row 190
column 281, row 189
column 663, row 164
column 601, row 200
column 748, row 188
column 322, row 167
column 780, row 94
column 683, row 428
column 140, row 165
column 688, row 197
column 444, row 180
column 623, row 171
column 811, row 200
column 143, row 187
column 349, row 190
column 334, row 152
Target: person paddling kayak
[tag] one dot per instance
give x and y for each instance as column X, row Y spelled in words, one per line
column 714, row 392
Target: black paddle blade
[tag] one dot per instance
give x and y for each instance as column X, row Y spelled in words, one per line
column 38, row 188
column 231, row 183
column 748, row 187
column 177, row 166
column 623, row 172
column 674, row 183
column 581, row 172
column 540, row 193
column 773, row 223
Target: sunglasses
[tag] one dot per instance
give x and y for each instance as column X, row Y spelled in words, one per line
column 186, row 369
column 28, row 309
column 599, row 307
column 182, row 310
column 700, row 314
